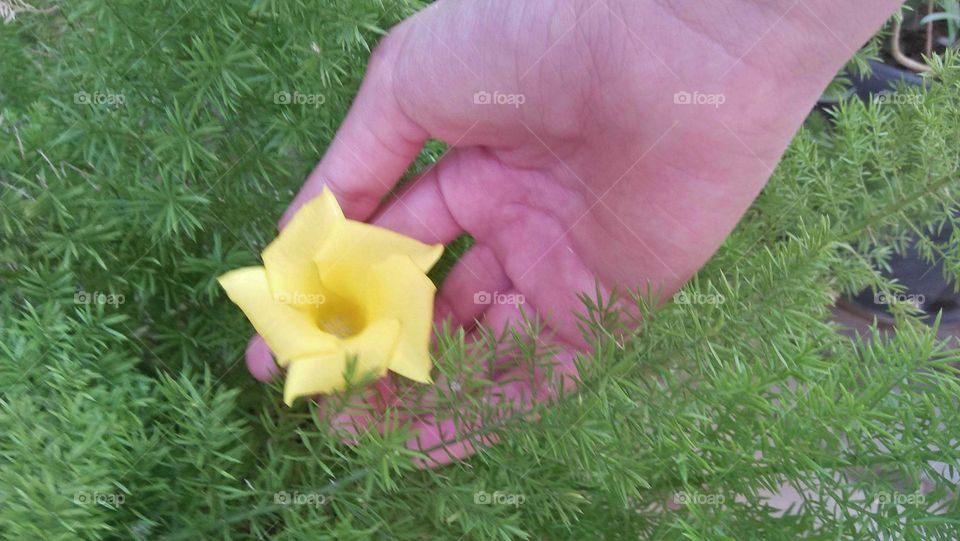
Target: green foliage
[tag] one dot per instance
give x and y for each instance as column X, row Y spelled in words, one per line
column 146, row 149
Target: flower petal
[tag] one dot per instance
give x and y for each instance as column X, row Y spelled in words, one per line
column 398, row 289
column 316, row 374
column 289, row 332
column 375, row 345
column 356, row 245
column 289, row 258
column 322, row 374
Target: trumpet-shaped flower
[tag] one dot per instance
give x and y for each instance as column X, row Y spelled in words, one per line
column 332, row 289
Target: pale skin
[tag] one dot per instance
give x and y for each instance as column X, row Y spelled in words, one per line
column 599, row 175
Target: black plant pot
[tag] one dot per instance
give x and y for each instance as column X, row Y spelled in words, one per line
column 883, row 79
column 924, row 283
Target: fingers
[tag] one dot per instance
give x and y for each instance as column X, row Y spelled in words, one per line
column 442, row 440
column 555, row 369
column 260, row 361
column 360, row 414
column 445, row 440
column 507, row 313
column 470, row 286
column 373, row 147
column 518, row 387
column 550, row 273
column 439, row 441
column 506, row 310
column 420, row 210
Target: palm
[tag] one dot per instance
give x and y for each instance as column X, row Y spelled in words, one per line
column 598, row 176
column 587, row 180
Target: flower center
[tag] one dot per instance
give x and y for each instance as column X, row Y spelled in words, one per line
column 340, row 317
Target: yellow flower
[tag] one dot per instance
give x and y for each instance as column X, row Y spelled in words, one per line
column 331, row 289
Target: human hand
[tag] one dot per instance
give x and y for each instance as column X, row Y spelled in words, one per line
column 576, row 157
